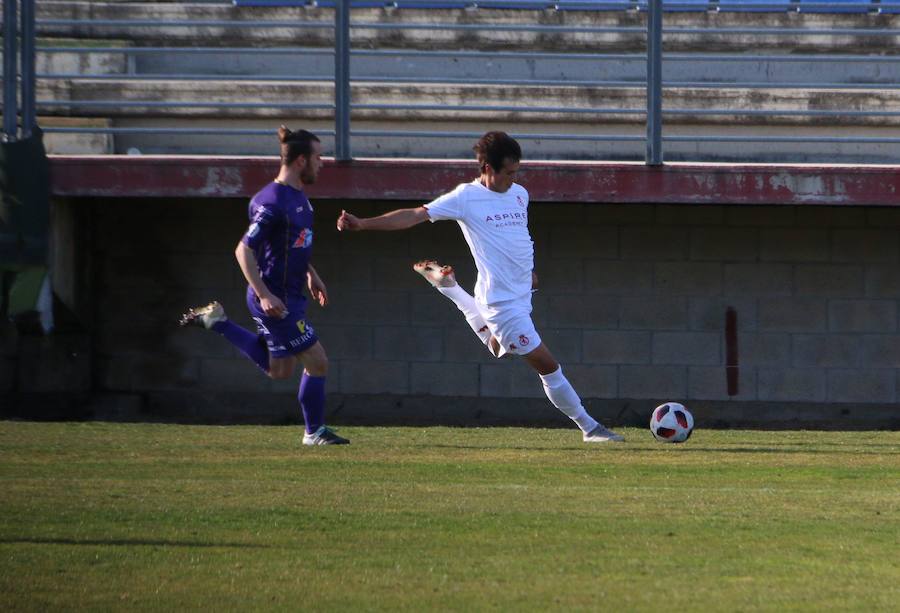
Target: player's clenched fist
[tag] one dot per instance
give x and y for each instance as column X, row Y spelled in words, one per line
column 347, row 221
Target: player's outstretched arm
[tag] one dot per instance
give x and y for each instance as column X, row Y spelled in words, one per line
column 400, row 219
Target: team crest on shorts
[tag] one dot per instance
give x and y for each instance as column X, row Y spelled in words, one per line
column 301, row 325
column 523, row 340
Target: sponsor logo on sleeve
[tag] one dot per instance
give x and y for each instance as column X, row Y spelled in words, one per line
column 260, row 213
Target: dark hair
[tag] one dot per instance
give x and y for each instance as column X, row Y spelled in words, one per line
column 295, row 144
column 494, row 148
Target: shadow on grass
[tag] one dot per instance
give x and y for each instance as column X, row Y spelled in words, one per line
column 682, row 448
column 827, row 444
column 777, row 450
column 123, row 543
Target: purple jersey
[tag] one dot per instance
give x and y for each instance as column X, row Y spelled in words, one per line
column 281, row 236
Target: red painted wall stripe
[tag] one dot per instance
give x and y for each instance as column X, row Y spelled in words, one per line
column 421, row 180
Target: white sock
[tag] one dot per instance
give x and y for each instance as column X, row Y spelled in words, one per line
column 465, row 302
column 565, row 398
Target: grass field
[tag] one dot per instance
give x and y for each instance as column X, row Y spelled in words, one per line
column 166, row 517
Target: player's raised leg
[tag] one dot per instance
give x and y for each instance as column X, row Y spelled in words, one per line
column 441, row 277
column 212, row 317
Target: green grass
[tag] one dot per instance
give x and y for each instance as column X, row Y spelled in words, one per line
column 165, row 517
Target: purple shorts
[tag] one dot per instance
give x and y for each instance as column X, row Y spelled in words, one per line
column 287, row 336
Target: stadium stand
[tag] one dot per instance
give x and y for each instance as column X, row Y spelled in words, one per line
column 567, row 71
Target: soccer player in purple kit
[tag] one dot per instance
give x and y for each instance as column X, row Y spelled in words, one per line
column 274, row 255
column 492, row 212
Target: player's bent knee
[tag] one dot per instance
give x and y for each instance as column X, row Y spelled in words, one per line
column 541, row 360
column 317, row 367
column 314, row 361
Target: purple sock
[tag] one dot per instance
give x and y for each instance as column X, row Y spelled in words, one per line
column 251, row 345
column 312, row 401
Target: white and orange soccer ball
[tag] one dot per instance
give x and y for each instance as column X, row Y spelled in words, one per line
column 671, row 423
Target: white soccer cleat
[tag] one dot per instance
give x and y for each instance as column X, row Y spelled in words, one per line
column 324, row 436
column 206, row 316
column 434, row 273
column 601, row 434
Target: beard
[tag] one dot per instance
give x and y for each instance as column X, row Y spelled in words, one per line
column 308, row 175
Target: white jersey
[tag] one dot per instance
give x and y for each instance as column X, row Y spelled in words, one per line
column 495, row 225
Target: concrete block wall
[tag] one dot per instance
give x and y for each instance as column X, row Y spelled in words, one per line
column 632, row 301
column 9, row 343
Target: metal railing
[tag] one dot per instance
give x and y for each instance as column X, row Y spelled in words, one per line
column 653, row 81
column 654, row 153
column 18, row 41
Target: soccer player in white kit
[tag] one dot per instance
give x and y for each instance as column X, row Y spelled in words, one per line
column 492, row 212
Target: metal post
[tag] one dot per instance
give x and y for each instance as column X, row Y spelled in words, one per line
column 654, row 155
column 29, row 112
column 10, row 84
column 342, row 80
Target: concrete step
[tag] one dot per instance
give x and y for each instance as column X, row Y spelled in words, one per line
column 591, row 142
column 76, row 143
column 430, row 66
column 424, row 66
column 81, row 63
column 450, row 102
column 440, row 112
column 491, row 37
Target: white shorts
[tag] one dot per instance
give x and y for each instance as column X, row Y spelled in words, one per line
column 510, row 323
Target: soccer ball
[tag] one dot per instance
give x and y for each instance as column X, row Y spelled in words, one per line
column 671, row 423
